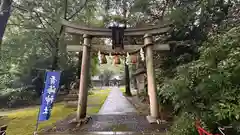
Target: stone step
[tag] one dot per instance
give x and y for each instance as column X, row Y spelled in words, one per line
column 72, row 96
column 112, row 117
column 70, row 99
column 73, row 92
column 71, row 104
column 128, row 122
column 107, row 133
column 62, row 93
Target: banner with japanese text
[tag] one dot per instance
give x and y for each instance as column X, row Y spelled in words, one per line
column 49, row 94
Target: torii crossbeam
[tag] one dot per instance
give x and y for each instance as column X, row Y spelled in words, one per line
column 104, row 32
column 105, row 49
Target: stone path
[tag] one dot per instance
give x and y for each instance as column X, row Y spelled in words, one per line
column 116, row 103
column 119, row 115
column 122, row 123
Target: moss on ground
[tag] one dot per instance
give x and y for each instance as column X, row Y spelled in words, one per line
column 122, row 89
column 97, row 99
column 23, row 122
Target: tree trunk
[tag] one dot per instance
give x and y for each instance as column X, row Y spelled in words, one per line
column 5, row 7
column 55, row 57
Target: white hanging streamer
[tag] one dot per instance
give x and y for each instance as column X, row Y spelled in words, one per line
column 99, row 57
column 142, row 54
column 127, row 59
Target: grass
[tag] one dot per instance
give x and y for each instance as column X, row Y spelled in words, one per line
column 122, row 89
column 97, row 99
column 23, row 122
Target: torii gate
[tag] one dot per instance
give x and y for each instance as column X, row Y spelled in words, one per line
column 88, row 33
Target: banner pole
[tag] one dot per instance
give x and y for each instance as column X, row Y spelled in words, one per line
column 36, row 127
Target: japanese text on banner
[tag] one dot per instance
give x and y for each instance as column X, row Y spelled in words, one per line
column 49, row 95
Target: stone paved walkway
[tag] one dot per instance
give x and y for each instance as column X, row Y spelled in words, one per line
column 119, row 115
column 116, row 103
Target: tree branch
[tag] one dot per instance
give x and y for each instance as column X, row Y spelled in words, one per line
column 26, row 26
column 77, row 11
column 47, row 46
column 48, row 24
column 50, row 43
column 23, row 9
column 65, row 10
column 39, row 18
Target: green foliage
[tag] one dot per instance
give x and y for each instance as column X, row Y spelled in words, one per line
column 184, row 124
column 106, row 76
column 208, row 87
column 34, row 43
column 140, row 5
column 17, row 97
column 94, row 65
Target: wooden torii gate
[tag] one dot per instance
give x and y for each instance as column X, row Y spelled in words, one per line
column 88, row 33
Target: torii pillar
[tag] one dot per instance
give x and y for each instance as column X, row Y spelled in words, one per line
column 83, row 86
column 152, row 90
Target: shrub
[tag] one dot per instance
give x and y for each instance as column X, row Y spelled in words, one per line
column 90, row 92
column 183, row 125
column 18, row 97
column 209, row 87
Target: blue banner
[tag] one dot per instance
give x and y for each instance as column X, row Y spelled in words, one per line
column 49, row 94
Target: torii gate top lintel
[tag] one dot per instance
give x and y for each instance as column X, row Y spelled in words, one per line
column 105, row 32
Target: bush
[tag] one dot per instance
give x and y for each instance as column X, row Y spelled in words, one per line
column 90, row 92
column 209, row 87
column 183, row 125
column 18, row 98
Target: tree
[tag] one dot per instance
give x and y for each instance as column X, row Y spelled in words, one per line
column 5, row 7
column 106, row 77
column 33, row 42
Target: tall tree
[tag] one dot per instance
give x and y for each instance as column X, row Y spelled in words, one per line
column 33, row 40
column 5, row 7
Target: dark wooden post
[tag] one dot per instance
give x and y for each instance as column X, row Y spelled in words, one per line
column 5, row 11
column 127, row 80
column 79, row 65
column 83, row 86
column 152, row 91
